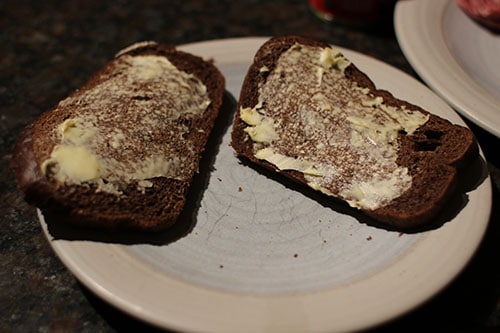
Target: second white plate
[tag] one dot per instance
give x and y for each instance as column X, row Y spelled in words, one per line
column 455, row 56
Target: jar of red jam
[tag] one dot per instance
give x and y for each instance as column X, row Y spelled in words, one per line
column 356, row 12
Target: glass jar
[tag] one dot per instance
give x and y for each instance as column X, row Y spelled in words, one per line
column 356, row 12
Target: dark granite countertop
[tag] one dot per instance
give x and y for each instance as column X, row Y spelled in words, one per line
column 49, row 48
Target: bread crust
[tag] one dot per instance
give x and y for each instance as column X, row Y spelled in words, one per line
column 156, row 208
column 432, row 154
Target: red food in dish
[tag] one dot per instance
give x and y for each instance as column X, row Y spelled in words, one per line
column 486, row 12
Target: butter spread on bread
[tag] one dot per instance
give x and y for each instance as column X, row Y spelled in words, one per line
column 307, row 112
column 365, row 174
column 121, row 151
column 96, row 146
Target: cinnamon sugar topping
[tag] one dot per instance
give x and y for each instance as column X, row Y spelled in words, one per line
column 133, row 123
column 340, row 136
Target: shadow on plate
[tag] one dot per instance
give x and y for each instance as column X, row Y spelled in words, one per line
column 58, row 229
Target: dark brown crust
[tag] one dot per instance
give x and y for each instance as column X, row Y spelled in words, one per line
column 432, row 154
column 159, row 207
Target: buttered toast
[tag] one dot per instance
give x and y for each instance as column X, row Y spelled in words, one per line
column 121, row 151
column 308, row 113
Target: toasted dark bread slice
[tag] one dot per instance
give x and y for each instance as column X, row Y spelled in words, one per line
column 423, row 158
column 121, row 151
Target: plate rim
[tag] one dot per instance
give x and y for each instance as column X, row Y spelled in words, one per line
column 418, row 27
column 303, row 310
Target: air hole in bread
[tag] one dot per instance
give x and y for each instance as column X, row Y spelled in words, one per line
column 141, row 98
column 426, row 145
column 436, row 135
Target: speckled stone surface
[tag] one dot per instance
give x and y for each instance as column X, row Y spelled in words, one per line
column 49, row 48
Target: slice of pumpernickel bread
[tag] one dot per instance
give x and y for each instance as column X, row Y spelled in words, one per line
column 121, row 151
column 307, row 112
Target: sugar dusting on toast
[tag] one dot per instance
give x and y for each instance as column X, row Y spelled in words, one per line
column 131, row 126
column 311, row 118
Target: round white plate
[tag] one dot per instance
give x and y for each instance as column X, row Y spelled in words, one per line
column 264, row 257
column 454, row 55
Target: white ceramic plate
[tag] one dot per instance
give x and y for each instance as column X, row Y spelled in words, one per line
column 455, row 56
column 263, row 257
